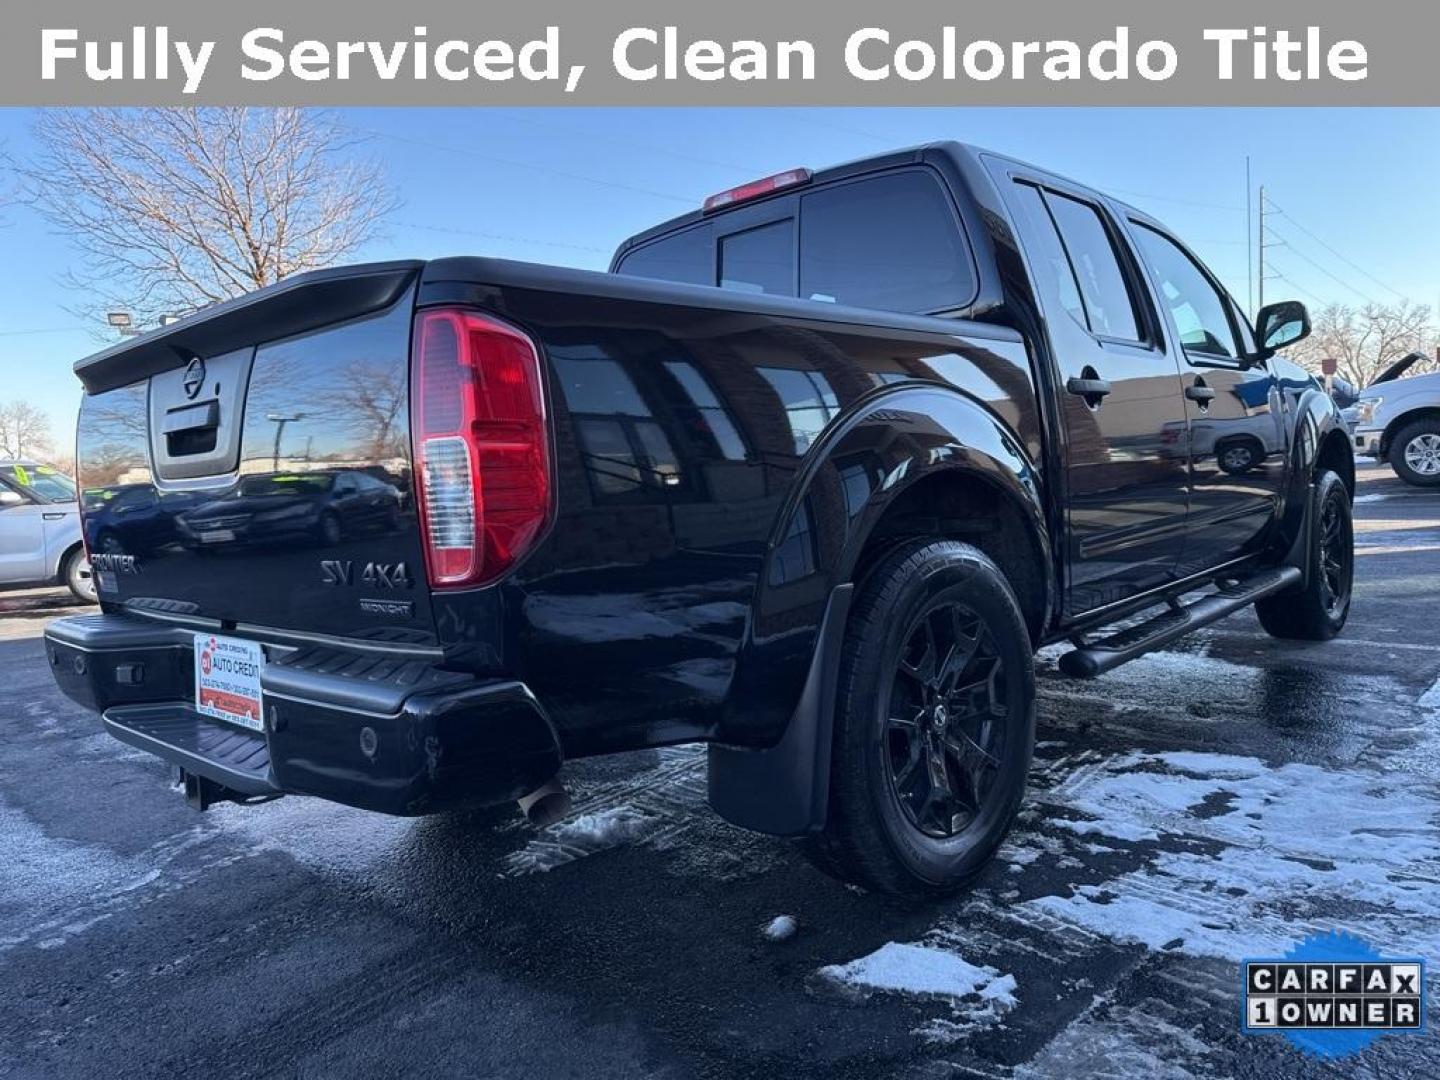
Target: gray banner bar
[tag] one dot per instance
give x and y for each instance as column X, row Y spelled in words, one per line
column 899, row 52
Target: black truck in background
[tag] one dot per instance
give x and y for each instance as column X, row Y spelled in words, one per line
column 943, row 408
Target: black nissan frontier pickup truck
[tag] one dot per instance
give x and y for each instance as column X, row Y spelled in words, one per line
column 808, row 476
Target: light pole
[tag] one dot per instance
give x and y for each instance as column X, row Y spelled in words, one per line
column 280, row 420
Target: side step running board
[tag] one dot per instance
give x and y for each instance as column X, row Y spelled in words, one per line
column 1096, row 658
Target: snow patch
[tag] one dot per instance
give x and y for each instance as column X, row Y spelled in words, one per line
column 780, row 928
column 1116, row 1043
column 1296, row 844
column 606, row 828
column 1020, row 856
column 578, row 837
column 927, row 972
column 1431, row 698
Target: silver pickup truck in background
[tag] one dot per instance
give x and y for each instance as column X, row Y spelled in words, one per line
column 1398, row 420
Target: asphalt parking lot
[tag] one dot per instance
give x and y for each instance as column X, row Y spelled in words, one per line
column 1220, row 800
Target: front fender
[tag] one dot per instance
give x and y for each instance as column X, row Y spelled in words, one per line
column 1316, row 425
column 889, row 441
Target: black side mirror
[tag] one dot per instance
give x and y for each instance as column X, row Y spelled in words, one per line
column 1279, row 325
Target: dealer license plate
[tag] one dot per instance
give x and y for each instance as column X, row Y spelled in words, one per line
column 227, row 680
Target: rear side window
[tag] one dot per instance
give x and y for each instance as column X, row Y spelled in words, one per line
column 1109, row 307
column 760, row 260
column 1048, row 261
column 687, row 257
column 891, row 243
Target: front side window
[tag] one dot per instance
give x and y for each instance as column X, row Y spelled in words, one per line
column 1198, row 308
column 760, row 260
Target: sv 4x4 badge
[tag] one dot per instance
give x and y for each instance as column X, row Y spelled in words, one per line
column 376, row 575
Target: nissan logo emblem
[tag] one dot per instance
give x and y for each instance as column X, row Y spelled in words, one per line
column 194, row 377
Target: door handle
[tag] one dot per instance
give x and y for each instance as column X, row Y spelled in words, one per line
column 1087, row 387
column 1198, row 391
column 53, row 516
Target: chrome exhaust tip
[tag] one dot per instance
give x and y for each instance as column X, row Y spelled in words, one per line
column 547, row 804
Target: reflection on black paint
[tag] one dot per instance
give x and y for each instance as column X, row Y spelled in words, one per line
column 795, row 556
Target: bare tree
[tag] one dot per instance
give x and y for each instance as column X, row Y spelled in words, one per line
column 1365, row 341
column 376, row 395
column 178, row 208
column 24, row 431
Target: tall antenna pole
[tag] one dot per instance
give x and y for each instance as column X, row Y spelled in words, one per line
column 1249, row 245
column 1260, row 252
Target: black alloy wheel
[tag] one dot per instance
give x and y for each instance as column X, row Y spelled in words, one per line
column 945, row 724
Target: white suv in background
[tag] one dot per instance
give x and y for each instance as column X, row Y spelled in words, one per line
column 1398, row 420
column 40, row 529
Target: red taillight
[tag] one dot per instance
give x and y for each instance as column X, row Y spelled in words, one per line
column 482, row 451
column 757, row 188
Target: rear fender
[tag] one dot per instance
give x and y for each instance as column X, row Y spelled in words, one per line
column 849, row 479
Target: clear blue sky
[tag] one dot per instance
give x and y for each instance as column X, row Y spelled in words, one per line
column 564, row 186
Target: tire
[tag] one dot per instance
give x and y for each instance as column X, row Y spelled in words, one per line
column 1318, row 612
column 1238, row 456
column 907, row 716
column 1415, row 453
column 75, row 572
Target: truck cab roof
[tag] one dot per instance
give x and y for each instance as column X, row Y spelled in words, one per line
column 951, row 149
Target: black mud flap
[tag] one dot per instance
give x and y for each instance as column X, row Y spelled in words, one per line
column 785, row 790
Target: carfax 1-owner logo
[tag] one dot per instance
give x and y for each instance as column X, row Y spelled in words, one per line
column 1333, row 995
column 227, row 679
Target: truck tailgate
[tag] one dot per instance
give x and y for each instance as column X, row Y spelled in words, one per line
column 251, row 464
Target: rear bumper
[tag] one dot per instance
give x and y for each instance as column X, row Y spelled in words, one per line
column 381, row 731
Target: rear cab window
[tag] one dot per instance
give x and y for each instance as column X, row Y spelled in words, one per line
column 891, row 241
column 760, row 260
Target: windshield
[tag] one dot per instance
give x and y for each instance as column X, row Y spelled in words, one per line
column 40, row 481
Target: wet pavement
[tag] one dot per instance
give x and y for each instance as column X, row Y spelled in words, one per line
column 1223, row 799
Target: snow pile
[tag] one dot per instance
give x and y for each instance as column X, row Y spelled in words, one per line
column 780, row 928
column 921, row 971
column 1297, row 843
column 978, row 996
